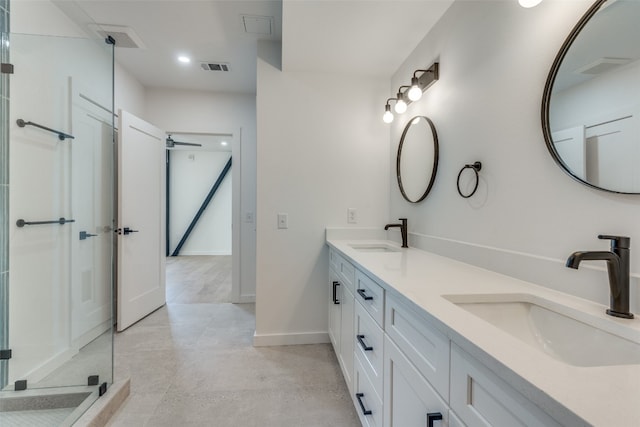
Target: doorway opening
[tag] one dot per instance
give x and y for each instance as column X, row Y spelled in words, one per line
column 200, row 195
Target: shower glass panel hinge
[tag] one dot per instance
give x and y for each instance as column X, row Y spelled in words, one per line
column 20, row 385
column 103, row 389
column 6, row 68
column 93, row 380
column 5, row 354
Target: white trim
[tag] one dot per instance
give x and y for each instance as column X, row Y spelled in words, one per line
column 236, row 220
column 44, row 369
column 186, row 253
column 265, row 340
column 245, row 299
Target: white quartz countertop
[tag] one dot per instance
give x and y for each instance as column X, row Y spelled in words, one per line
column 600, row 396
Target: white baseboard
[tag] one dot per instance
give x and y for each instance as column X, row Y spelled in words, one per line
column 244, row 299
column 40, row 372
column 187, row 253
column 290, row 339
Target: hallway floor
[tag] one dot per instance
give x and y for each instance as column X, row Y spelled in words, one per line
column 193, row 364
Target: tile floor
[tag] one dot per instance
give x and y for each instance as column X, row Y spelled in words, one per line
column 194, row 365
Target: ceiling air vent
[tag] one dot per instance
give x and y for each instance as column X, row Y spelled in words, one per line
column 602, row 65
column 124, row 36
column 215, row 66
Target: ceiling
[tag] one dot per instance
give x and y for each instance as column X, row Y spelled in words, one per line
column 334, row 36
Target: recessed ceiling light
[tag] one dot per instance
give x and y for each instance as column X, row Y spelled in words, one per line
column 184, row 59
column 224, row 143
column 529, row 3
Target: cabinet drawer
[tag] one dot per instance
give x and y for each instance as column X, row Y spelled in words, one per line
column 426, row 347
column 480, row 398
column 346, row 271
column 368, row 404
column 371, row 296
column 409, row 399
column 368, row 340
column 335, row 310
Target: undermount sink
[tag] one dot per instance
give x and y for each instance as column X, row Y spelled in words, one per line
column 374, row 247
column 566, row 334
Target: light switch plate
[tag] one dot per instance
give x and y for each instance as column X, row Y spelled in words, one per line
column 352, row 216
column 283, row 220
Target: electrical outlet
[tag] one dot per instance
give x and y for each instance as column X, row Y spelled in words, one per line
column 352, row 216
column 283, row 220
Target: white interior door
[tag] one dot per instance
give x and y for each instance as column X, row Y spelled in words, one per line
column 92, row 206
column 141, row 209
column 613, row 153
column 570, row 145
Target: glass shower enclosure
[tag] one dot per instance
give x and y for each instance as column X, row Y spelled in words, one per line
column 56, row 225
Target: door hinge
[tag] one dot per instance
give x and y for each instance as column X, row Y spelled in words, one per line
column 6, row 68
column 5, row 354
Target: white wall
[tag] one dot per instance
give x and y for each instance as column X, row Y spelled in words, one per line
column 321, row 149
column 129, row 93
column 528, row 215
column 193, row 173
column 207, row 112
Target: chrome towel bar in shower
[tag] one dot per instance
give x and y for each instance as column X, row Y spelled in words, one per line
column 61, row 135
column 61, row 221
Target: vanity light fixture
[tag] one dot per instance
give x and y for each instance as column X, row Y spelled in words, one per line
column 420, row 82
column 387, row 117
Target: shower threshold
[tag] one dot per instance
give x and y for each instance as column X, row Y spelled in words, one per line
column 45, row 407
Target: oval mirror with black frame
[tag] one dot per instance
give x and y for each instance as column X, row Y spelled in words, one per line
column 417, row 160
column 591, row 102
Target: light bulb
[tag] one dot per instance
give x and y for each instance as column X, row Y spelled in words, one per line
column 387, row 117
column 415, row 92
column 184, row 59
column 400, row 106
column 529, row 3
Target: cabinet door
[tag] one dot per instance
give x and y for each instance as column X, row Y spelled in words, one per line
column 335, row 316
column 480, row 398
column 347, row 302
column 409, row 400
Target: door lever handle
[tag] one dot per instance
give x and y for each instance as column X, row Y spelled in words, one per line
column 84, row 235
column 125, row 231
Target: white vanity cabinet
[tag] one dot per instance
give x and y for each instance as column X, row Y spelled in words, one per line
column 341, row 313
column 403, row 370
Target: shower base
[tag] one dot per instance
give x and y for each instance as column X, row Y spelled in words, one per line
column 45, row 407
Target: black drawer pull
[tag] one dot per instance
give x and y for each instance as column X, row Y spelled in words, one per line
column 365, row 411
column 335, row 295
column 433, row 416
column 362, row 344
column 364, row 295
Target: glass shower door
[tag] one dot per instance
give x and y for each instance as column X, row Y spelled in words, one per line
column 60, row 302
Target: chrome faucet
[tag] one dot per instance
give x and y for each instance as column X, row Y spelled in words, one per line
column 617, row 267
column 403, row 230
